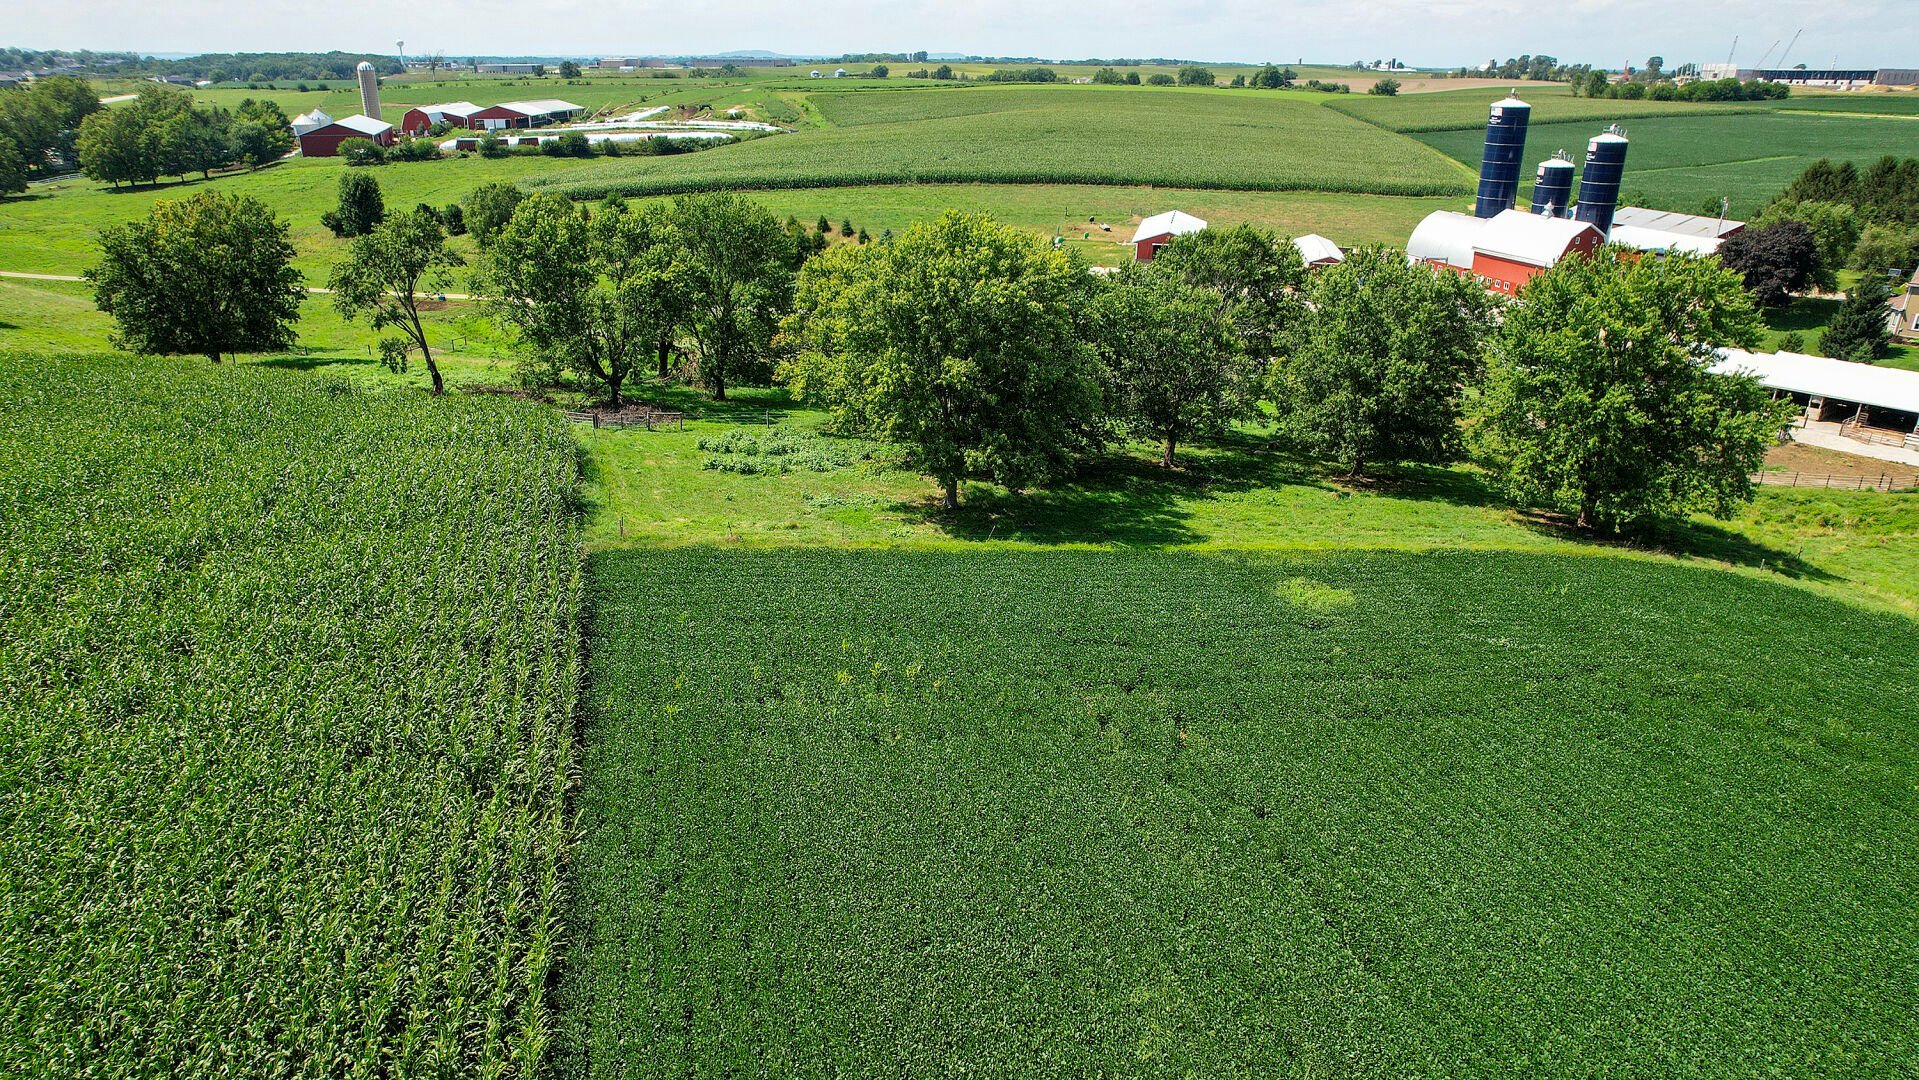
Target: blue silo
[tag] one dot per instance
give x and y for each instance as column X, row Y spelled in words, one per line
column 1505, row 147
column 1553, row 186
column 1599, row 183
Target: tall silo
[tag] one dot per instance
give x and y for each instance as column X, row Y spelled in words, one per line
column 369, row 90
column 1553, row 186
column 1505, row 147
column 1599, row 183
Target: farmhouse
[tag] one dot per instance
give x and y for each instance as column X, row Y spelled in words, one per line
column 1158, row 231
column 1504, row 251
column 1902, row 313
column 1868, row 403
column 523, row 114
column 420, row 118
column 1317, row 251
column 324, row 141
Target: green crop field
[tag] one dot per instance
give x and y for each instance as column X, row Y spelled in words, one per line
column 1464, row 110
column 1151, row 814
column 287, row 680
column 1679, row 162
column 1072, row 135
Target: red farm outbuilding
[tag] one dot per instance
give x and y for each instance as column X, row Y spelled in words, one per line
column 522, row 114
column 324, row 141
column 1159, row 230
column 420, row 118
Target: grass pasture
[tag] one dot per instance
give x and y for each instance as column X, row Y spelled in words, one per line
column 1465, row 110
column 1128, row 813
column 287, row 680
column 1063, row 135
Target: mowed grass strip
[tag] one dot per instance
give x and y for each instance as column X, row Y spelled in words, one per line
column 287, row 681
column 1158, row 814
column 1680, row 162
column 1079, row 136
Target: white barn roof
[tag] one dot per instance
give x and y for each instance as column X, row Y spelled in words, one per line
column 449, row 108
column 1316, row 248
column 1534, row 239
column 1445, row 236
column 1641, row 238
column 540, row 107
column 1693, row 225
column 1170, row 223
column 365, row 124
column 1818, row 376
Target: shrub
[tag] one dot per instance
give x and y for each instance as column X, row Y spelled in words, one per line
column 1160, row 79
column 363, row 152
column 492, row 146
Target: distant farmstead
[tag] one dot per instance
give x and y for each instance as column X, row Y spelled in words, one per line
column 523, row 114
column 325, row 140
column 1160, row 229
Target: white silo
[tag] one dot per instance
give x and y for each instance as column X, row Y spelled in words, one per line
column 369, row 90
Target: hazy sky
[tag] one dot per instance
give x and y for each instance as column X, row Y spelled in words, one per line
column 1858, row 33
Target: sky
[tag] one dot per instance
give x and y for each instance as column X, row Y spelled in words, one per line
column 1438, row 33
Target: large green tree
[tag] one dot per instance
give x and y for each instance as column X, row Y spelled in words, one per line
column 959, row 338
column 207, row 276
column 1859, row 330
column 1171, row 363
column 595, row 294
column 13, row 167
column 488, row 208
column 1774, row 260
column 1257, row 275
column 43, row 119
column 1600, row 399
column 358, row 208
column 1376, row 370
column 736, row 285
column 382, row 277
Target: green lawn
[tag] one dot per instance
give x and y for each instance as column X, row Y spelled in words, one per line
column 1074, row 135
column 1126, row 813
column 1679, row 162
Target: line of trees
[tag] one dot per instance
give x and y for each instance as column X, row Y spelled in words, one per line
column 163, row 133
column 39, row 125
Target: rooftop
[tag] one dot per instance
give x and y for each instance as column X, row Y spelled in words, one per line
column 540, row 106
column 1170, row 223
column 1841, row 380
column 1697, row 225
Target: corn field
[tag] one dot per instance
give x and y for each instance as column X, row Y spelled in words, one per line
column 287, row 677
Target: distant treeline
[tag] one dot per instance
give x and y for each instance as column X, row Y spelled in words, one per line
column 254, row 67
column 38, row 59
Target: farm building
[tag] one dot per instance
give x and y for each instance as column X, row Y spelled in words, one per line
column 420, row 118
column 324, row 141
column 1317, row 251
column 1158, row 231
column 1867, row 403
column 1504, row 251
column 1659, row 230
column 306, row 122
column 523, row 114
column 502, row 68
column 1902, row 313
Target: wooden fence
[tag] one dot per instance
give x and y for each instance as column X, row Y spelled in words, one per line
column 1836, row 481
column 648, row 418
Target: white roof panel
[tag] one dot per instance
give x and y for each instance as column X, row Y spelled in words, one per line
column 365, row 124
column 1316, row 248
column 1446, row 236
column 1841, row 380
column 453, row 108
column 1170, row 223
column 1641, row 238
column 541, row 106
column 1529, row 238
column 1697, row 225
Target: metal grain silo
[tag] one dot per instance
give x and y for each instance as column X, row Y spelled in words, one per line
column 1499, row 169
column 369, row 89
column 1599, row 183
column 1553, row 186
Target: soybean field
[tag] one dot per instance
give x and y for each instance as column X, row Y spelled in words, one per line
column 1122, row 813
column 287, row 680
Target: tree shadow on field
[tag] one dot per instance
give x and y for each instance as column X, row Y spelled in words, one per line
column 749, row 405
column 1686, row 539
column 314, row 361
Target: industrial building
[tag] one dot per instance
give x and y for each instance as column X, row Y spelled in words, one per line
column 325, row 140
column 1824, row 78
column 503, row 68
column 1505, row 247
column 420, row 118
column 523, row 114
column 1160, row 229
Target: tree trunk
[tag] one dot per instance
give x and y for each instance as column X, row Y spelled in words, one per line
column 214, row 356
column 1166, row 458
column 719, row 389
column 432, row 369
column 666, row 350
column 949, row 494
column 1588, row 512
column 613, row 394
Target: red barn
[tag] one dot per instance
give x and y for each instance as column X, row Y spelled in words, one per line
column 1158, row 231
column 522, row 114
column 325, row 140
column 420, row 118
column 1503, row 251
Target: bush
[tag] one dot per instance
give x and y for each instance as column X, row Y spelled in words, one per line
column 412, row 149
column 489, row 207
column 492, row 146
column 1194, row 75
column 572, row 144
column 1160, row 79
column 1384, row 88
column 363, row 152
